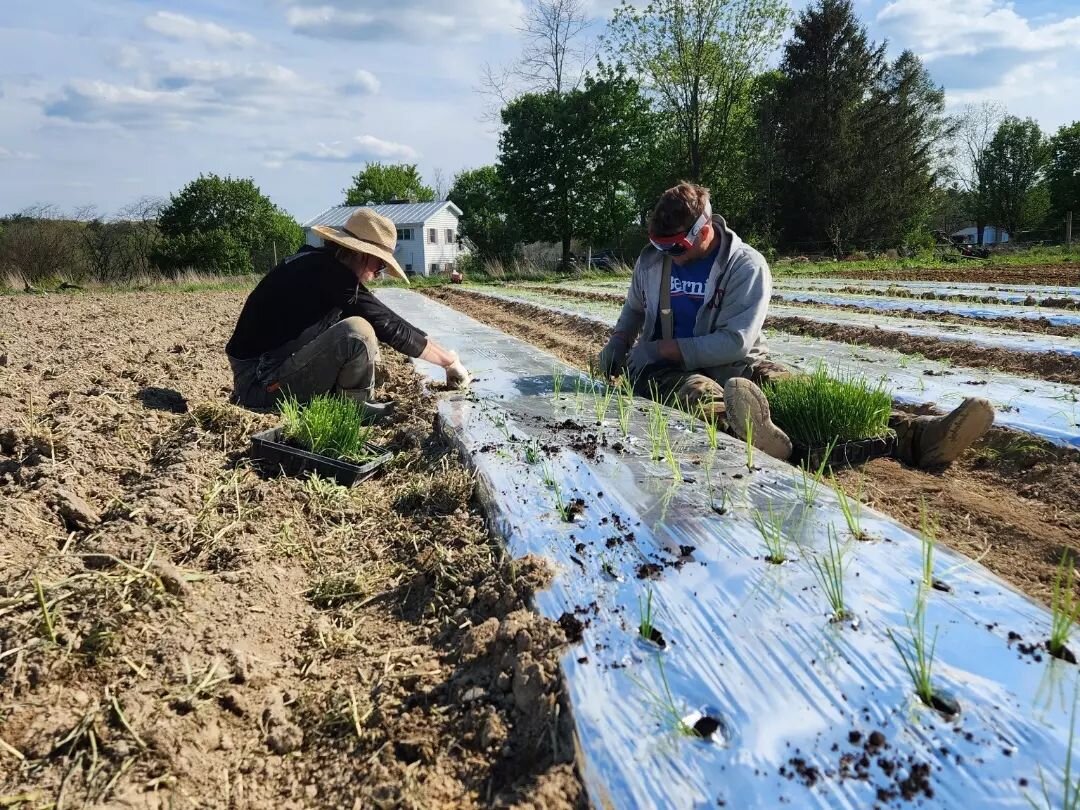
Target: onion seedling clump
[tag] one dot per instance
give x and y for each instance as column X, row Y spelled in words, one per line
column 1065, row 607
column 329, row 425
column 814, row 409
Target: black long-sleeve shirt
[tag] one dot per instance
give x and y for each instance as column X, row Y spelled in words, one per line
column 301, row 291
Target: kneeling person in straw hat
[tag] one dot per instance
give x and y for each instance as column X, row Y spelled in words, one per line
column 311, row 327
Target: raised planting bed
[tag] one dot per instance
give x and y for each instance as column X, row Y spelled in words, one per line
column 800, row 667
column 1048, row 410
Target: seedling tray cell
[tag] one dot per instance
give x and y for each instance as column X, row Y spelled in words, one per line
column 269, row 447
column 845, row 454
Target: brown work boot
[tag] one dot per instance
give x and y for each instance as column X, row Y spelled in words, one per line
column 746, row 403
column 933, row 441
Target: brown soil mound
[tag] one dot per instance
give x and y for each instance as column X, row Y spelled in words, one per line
column 179, row 628
column 1011, row 499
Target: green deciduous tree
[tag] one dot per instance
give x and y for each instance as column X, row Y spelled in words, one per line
column 231, row 214
column 382, row 183
column 479, row 195
column 1015, row 161
column 567, row 161
column 697, row 59
column 1063, row 174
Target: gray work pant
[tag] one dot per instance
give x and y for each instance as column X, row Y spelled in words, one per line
column 336, row 354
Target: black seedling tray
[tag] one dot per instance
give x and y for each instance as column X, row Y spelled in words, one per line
column 844, row 454
column 267, row 446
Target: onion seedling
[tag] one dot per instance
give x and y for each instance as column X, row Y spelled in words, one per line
column 1064, row 604
column 664, row 704
column 810, row 484
column 712, row 429
column 749, row 444
column 602, row 400
column 928, row 537
column 532, row 452
column 556, row 381
column 771, row 526
column 328, row 425
column 624, row 400
column 851, row 507
column 828, row 570
column 645, row 610
column 1070, row 786
column 657, row 428
column 917, row 655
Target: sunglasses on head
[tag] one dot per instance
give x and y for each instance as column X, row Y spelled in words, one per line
column 678, row 244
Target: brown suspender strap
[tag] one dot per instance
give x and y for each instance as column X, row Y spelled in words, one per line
column 667, row 322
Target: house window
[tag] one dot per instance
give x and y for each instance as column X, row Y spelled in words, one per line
column 449, row 236
column 404, row 234
column 434, row 267
column 433, row 236
column 408, row 268
column 448, row 266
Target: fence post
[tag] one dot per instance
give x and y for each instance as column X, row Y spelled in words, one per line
column 1068, row 229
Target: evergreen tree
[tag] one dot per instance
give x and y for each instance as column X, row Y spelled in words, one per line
column 825, row 128
column 1063, row 174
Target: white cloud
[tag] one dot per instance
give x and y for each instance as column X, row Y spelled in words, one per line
column 937, row 28
column 405, row 20
column 229, row 80
column 184, row 29
column 364, row 83
column 11, row 154
column 98, row 102
column 354, row 150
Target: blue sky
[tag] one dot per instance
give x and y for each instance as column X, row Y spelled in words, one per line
column 105, row 101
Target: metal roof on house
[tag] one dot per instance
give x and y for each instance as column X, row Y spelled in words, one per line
column 398, row 213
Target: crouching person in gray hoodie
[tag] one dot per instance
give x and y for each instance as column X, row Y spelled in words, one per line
column 690, row 333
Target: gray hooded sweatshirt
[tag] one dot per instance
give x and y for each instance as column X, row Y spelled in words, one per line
column 727, row 333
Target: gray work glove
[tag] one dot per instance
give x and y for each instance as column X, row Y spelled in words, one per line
column 643, row 355
column 612, row 357
column 457, row 376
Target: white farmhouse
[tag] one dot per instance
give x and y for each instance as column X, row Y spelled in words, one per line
column 427, row 233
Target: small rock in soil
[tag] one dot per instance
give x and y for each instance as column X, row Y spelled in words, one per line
column 76, row 512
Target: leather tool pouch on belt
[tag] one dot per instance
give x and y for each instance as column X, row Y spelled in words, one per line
column 667, row 321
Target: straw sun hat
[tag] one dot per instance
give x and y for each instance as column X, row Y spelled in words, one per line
column 370, row 233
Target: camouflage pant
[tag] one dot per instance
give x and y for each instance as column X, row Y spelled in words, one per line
column 703, row 396
column 698, row 393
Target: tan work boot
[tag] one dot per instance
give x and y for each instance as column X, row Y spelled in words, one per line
column 939, row 440
column 745, row 402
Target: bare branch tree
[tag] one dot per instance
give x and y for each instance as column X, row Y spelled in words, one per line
column 555, row 55
column 975, row 128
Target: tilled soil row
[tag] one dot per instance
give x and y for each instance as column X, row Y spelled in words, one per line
column 1039, row 325
column 929, row 295
column 1067, row 275
column 1044, row 365
column 1012, row 501
column 179, row 628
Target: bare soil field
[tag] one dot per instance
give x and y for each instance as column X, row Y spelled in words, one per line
column 1011, row 500
column 179, row 628
column 1045, row 365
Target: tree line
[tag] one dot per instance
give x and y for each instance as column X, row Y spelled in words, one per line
column 219, row 225
column 838, row 149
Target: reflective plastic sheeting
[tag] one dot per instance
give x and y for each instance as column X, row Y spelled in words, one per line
column 1045, row 409
column 810, row 713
